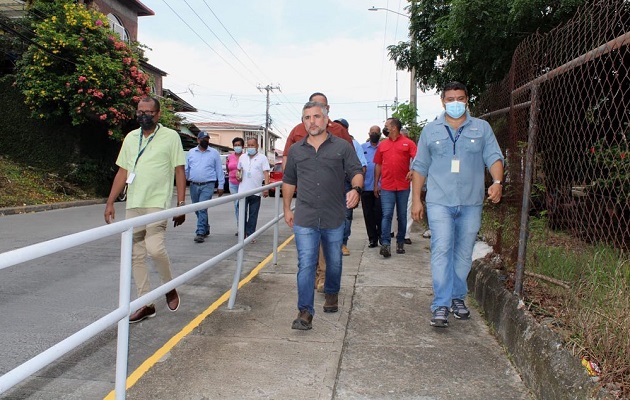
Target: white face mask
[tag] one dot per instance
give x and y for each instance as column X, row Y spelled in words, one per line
column 455, row 109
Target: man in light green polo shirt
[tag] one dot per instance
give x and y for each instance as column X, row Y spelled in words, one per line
column 147, row 161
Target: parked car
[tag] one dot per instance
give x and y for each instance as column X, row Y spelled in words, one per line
column 275, row 175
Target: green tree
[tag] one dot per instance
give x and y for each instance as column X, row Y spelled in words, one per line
column 407, row 114
column 79, row 69
column 472, row 41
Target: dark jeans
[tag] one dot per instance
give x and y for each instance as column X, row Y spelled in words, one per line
column 252, row 205
column 372, row 215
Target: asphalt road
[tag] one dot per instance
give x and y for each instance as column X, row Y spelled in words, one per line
column 47, row 300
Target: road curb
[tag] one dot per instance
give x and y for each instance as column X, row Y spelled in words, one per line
column 46, row 207
column 548, row 369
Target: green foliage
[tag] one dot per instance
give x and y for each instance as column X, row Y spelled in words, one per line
column 407, row 115
column 611, row 165
column 81, row 69
column 472, row 41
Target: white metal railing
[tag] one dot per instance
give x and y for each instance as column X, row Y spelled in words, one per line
column 121, row 314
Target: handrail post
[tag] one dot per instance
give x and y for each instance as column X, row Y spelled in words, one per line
column 276, row 228
column 122, row 348
column 239, row 255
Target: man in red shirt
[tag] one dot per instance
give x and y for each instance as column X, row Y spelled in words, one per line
column 391, row 165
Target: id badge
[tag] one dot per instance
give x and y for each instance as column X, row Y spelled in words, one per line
column 131, row 177
column 455, row 166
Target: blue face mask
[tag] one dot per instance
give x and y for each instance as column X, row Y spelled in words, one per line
column 238, row 149
column 455, row 109
column 252, row 151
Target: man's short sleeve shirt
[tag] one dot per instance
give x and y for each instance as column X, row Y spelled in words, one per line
column 395, row 158
column 320, row 176
column 154, row 170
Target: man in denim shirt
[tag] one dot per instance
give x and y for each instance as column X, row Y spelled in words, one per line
column 453, row 152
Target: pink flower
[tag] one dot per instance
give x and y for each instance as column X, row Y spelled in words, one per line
column 67, row 83
column 80, row 91
column 623, row 155
column 82, row 78
column 103, row 117
column 592, row 150
column 98, row 22
column 110, row 132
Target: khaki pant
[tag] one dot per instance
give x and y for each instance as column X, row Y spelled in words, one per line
column 148, row 239
column 320, row 275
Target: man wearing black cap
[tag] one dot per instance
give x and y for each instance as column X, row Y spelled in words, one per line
column 203, row 170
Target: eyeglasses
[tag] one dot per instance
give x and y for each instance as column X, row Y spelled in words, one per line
column 149, row 113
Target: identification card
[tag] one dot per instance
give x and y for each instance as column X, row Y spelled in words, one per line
column 131, row 177
column 455, row 166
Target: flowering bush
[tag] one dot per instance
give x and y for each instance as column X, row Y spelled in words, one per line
column 611, row 161
column 79, row 68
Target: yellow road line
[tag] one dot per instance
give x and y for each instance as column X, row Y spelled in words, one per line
column 168, row 346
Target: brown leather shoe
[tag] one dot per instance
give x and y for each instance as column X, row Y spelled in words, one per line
column 331, row 304
column 172, row 300
column 143, row 313
column 303, row 322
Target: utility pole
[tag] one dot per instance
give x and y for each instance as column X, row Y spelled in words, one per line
column 268, row 89
column 386, row 107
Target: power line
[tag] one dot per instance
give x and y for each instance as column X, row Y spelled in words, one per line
column 217, row 37
column 207, row 44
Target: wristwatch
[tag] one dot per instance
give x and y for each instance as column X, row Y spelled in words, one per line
column 497, row 181
column 181, row 203
column 359, row 189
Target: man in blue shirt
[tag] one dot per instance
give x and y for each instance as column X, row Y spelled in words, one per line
column 371, row 204
column 453, row 152
column 203, row 170
column 349, row 212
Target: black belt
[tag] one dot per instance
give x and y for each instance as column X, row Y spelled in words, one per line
column 202, row 183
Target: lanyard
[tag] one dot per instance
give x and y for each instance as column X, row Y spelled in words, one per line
column 141, row 151
column 454, row 140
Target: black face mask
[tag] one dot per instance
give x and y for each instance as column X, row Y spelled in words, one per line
column 375, row 138
column 386, row 132
column 146, row 122
column 204, row 144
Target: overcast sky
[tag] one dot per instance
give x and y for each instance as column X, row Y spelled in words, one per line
column 216, row 53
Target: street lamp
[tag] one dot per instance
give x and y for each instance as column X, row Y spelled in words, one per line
column 413, row 90
column 387, row 9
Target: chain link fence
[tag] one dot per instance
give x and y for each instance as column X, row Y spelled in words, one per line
column 562, row 115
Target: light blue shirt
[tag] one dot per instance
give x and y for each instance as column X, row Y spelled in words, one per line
column 359, row 150
column 204, row 166
column 476, row 148
column 368, row 154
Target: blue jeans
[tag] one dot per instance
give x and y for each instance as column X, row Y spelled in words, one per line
column 453, row 235
column 389, row 199
column 307, row 241
column 202, row 193
column 234, row 190
column 252, row 205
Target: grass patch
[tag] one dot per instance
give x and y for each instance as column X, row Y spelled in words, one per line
column 23, row 185
column 593, row 316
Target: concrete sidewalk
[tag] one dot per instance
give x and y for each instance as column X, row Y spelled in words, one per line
column 378, row 346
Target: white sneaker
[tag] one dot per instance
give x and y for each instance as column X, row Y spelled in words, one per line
column 427, row 234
